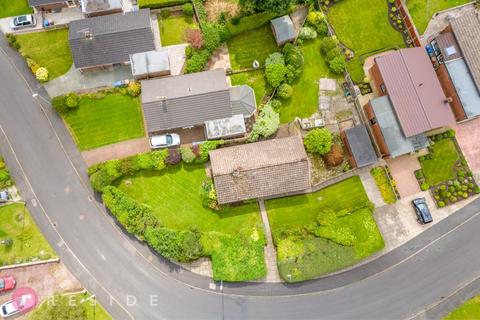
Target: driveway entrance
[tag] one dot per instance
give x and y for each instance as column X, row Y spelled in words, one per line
column 402, row 170
column 468, row 137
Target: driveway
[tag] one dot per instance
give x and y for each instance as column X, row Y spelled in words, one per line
column 468, row 137
column 116, row 151
column 402, row 170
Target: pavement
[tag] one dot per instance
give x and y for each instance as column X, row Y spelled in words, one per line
column 130, row 281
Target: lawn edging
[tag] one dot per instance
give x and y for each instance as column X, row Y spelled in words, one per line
column 29, row 264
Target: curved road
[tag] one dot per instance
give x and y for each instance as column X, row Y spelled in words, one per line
column 431, row 272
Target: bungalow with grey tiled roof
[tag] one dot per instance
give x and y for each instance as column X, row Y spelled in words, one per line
column 101, row 42
column 51, row 5
column 271, row 168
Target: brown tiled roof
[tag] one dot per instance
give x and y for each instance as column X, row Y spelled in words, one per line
column 466, row 28
column 261, row 169
column 414, row 90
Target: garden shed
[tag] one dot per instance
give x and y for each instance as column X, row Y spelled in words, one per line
column 283, row 29
column 359, row 146
column 271, row 168
column 150, row 64
column 93, row 8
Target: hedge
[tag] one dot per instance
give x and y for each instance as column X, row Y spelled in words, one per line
column 251, row 22
column 154, row 4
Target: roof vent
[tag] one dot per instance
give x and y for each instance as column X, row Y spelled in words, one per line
column 237, row 172
column 88, row 35
column 448, row 100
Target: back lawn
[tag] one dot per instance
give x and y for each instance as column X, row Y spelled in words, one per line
column 27, row 242
column 304, row 101
column 49, row 49
column 9, row 8
column 440, row 167
column 99, row 122
column 364, row 28
column 174, row 195
column 468, row 310
column 323, row 232
column 249, row 46
column 256, row 80
column 173, row 28
column 423, row 10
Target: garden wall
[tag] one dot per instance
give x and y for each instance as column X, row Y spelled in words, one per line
column 412, row 30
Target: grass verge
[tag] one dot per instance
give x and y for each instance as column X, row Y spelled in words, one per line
column 468, row 310
column 10, row 8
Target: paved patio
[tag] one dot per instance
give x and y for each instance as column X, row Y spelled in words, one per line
column 468, row 138
column 116, row 151
column 402, row 170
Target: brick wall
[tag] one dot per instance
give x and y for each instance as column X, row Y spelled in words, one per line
column 412, row 30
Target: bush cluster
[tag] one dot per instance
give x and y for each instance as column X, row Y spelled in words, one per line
column 187, row 9
column 209, row 195
column 63, row 104
column 307, row 33
column 318, row 141
column 182, row 246
column 266, row 124
column 318, row 22
column 134, row 88
column 104, row 174
column 333, row 55
column 199, row 153
column 5, row 178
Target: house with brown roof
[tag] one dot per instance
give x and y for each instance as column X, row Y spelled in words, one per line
column 271, row 168
column 410, row 102
column 455, row 55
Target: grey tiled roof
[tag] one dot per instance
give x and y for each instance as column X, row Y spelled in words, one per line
column 35, row 3
column 185, row 100
column 284, row 29
column 113, row 38
column 466, row 30
column 361, row 146
column 262, row 169
column 243, row 100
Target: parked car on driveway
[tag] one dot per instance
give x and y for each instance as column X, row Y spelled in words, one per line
column 7, row 283
column 22, row 22
column 422, row 211
column 165, row 141
column 9, row 309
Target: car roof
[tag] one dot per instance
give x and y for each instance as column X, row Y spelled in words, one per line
column 156, row 140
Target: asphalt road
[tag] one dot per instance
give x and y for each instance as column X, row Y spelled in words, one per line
column 429, row 274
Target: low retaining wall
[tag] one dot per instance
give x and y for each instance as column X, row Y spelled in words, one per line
column 28, row 264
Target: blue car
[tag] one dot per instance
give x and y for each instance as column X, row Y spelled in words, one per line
column 422, row 211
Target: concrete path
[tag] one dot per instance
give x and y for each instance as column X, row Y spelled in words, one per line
column 156, row 30
column 270, row 251
column 116, row 151
column 176, row 54
column 371, row 188
column 74, row 80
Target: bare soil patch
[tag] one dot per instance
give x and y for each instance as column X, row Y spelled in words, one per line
column 216, row 7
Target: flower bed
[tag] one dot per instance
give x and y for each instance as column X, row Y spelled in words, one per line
column 445, row 172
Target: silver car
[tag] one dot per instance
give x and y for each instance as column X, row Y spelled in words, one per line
column 165, row 141
column 8, row 309
column 21, row 22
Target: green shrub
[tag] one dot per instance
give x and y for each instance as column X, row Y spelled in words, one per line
column 208, row 146
column 197, row 62
column 187, row 9
column 441, row 204
column 318, row 141
column 211, row 37
column 285, row 91
column 265, row 125
column 275, row 58
column 41, row 74
column 187, row 154
column 209, row 195
column 275, row 74
column 59, row 104
column 294, row 62
column 424, row 186
column 72, row 100
column 327, row 44
column 337, row 64
column 182, row 246
column 153, row 4
column 134, row 89
column 307, row 33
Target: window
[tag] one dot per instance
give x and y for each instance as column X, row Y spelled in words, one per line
column 373, row 121
column 383, row 88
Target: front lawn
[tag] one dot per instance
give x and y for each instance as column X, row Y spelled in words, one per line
column 174, row 195
column 102, row 121
column 252, row 45
column 364, row 28
column 304, row 101
column 20, row 239
column 9, row 8
column 173, row 28
column 50, row 49
column 256, row 80
column 439, row 167
column 423, row 10
column 324, row 231
column 468, row 310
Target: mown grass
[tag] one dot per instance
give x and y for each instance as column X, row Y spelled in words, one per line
column 256, row 80
column 28, row 242
column 173, row 29
column 423, row 10
column 365, row 29
column 9, row 8
column 174, row 195
column 99, row 122
column 304, row 101
column 468, row 310
column 441, row 165
column 252, row 45
column 50, row 49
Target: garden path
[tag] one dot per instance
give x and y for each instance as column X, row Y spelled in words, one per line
column 371, row 188
column 270, row 251
column 156, row 31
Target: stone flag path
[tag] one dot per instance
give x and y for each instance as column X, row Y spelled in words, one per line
column 270, row 250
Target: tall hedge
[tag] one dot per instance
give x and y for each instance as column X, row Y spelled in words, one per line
column 154, row 4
